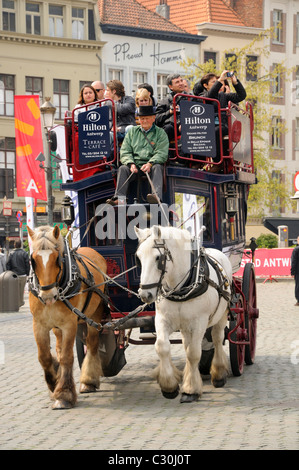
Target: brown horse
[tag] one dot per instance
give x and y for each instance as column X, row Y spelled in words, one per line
column 50, row 278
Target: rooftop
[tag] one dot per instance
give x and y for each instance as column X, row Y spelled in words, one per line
column 189, row 13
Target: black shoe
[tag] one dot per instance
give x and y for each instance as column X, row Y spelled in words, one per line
column 152, row 199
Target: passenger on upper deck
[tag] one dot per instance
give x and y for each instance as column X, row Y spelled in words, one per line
column 145, row 149
column 212, row 87
column 142, row 98
column 150, row 89
column 100, row 89
column 187, row 86
column 87, row 96
column 125, row 107
column 165, row 113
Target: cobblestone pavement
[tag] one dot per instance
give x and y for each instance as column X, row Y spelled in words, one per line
column 259, row 410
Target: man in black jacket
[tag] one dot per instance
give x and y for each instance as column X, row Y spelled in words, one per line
column 295, row 270
column 165, row 112
column 211, row 89
column 18, row 261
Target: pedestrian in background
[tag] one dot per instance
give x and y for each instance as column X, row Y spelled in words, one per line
column 2, row 261
column 18, row 262
column 295, row 270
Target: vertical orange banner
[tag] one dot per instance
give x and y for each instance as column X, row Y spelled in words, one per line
column 30, row 177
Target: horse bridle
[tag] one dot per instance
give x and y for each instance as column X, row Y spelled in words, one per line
column 161, row 265
column 59, row 263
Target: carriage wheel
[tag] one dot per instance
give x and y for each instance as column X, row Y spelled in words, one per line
column 251, row 313
column 236, row 351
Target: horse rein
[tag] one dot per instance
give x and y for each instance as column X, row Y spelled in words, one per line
column 163, row 258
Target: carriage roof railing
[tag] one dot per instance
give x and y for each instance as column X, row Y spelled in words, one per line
column 239, row 136
column 71, row 127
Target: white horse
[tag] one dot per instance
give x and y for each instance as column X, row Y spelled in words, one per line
column 166, row 256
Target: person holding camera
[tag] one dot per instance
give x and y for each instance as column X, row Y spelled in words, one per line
column 212, row 89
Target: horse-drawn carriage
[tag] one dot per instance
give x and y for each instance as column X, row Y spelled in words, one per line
column 205, row 200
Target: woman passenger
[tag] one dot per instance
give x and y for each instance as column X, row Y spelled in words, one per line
column 87, row 95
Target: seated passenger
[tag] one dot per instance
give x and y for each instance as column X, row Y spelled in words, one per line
column 144, row 149
column 187, row 86
column 100, row 89
column 150, row 89
column 125, row 107
column 212, row 87
column 142, row 98
column 164, row 116
column 87, row 95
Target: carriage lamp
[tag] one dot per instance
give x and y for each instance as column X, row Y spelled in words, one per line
column 67, row 210
column 48, row 112
column 231, row 203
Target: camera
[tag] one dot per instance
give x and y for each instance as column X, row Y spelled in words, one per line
column 230, row 74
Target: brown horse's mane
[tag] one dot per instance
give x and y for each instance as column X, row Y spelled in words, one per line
column 44, row 239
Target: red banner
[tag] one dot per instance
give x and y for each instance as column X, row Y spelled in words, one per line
column 275, row 262
column 30, row 177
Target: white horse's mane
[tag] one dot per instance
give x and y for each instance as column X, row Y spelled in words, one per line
column 165, row 233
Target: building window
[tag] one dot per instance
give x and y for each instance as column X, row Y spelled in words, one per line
column 297, row 134
column 162, row 88
column 8, row 15
column 277, row 25
column 231, row 61
column 208, row 55
column 251, row 68
column 34, row 86
column 32, row 18
column 276, row 83
column 61, row 97
column 297, row 30
column 78, row 23
column 8, row 153
column 138, row 78
column 297, row 83
column 115, row 74
column 7, row 91
column 276, row 132
column 56, row 21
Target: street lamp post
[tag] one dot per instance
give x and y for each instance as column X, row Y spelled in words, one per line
column 48, row 112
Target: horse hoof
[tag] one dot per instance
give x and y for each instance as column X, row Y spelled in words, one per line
column 87, row 388
column 171, row 395
column 61, row 405
column 219, row 383
column 189, row 398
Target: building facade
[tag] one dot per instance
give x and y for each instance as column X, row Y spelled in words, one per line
column 51, row 48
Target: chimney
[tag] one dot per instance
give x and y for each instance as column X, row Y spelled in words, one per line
column 163, row 9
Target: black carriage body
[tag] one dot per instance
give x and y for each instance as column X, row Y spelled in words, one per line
column 112, row 231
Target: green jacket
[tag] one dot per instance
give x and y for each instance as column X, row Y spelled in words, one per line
column 137, row 149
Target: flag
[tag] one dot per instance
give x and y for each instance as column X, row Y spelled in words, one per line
column 30, row 178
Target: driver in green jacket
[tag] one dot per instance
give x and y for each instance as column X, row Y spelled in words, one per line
column 145, row 148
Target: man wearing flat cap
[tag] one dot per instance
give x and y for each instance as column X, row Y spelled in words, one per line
column 145, row 148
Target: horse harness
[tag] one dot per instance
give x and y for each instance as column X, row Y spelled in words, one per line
column 198, row 279
column 68, row 283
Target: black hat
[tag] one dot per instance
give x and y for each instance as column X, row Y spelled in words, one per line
column 146, row 111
